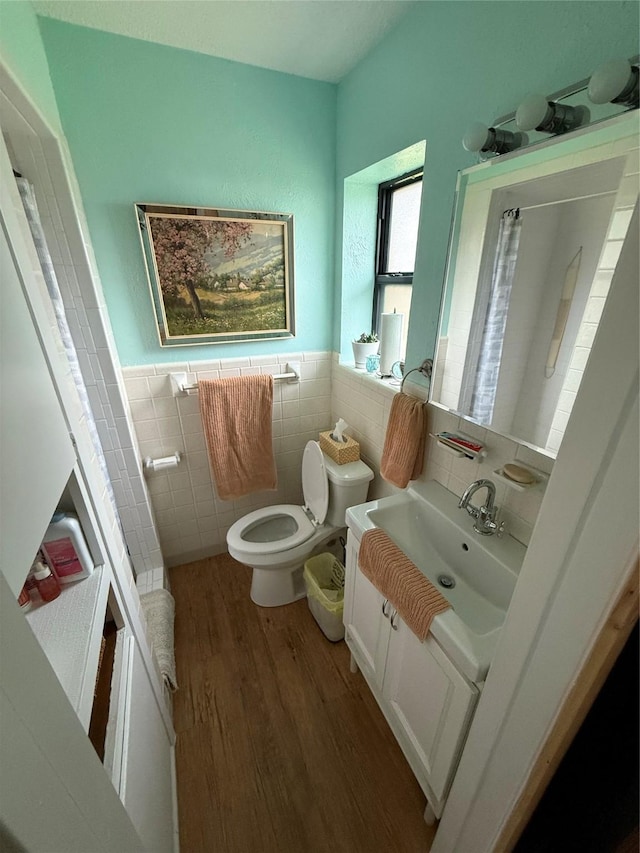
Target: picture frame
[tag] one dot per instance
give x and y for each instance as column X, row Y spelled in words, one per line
column 218, row 276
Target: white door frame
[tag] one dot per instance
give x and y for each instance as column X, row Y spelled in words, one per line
column 576, row 567
column 42, row 152
column 56, row 158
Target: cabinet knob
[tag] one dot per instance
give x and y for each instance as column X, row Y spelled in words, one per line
column 384, row 608
column 394, row 623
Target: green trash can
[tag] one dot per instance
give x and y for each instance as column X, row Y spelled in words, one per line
column 324, row 580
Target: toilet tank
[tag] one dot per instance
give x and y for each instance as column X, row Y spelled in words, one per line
column 348, row 486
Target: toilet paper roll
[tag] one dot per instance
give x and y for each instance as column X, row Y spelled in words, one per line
column 390, row 341
column 162, row 463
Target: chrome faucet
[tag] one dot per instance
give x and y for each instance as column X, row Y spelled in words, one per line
column 485, row 516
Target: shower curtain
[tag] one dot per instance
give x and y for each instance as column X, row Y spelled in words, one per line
column 488, row 368
column 29, row 203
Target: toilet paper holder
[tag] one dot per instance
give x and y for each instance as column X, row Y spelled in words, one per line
column 161, row 464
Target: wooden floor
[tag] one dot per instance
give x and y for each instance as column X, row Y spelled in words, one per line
column 279, row 747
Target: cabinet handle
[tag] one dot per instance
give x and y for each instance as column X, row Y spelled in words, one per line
column 394, row 624
column 384, row 608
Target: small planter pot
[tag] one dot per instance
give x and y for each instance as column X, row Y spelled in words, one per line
column 361, row 351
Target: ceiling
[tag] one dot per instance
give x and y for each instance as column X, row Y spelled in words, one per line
column 320, row 39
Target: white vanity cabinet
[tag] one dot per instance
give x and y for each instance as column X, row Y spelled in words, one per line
column 366, row 626
column 427, row 702
column 430, row 704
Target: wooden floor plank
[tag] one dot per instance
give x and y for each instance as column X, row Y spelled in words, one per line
column 279, row 747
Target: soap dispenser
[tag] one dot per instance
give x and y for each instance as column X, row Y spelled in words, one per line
column 46, row 582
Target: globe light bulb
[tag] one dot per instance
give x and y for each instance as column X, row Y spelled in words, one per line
column 494, row 140
column 476, row 136
column 537, row 113
column 615, row 82
column 533, row 112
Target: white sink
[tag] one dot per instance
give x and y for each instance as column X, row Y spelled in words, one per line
column 425, row 523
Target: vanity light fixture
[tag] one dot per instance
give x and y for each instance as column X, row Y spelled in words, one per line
column 537, row 113
column 493, row 140
column 615, row 82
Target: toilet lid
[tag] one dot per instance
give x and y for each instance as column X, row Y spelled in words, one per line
column 315, row 486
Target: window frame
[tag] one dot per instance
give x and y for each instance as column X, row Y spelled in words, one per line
column 382, row 279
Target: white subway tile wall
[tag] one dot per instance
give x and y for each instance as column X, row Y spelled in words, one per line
column 150, row 581
column 621, row 216
column 64, row 224
column 192, row 521
column 364, row 401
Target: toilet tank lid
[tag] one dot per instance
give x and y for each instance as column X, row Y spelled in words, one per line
column 352, row 472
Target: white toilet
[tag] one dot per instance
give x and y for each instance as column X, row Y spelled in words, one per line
column 276, row 540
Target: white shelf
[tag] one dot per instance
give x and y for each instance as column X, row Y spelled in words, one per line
column 458, row 449
column 448, row 447
column 69, row 631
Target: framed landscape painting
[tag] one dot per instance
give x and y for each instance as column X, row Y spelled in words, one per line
column 218, row 276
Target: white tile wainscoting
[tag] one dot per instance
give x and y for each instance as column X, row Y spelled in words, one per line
column 192, row 521
column 151, row 580
column 364, row 401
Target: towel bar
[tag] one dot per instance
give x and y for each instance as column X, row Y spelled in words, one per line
column 180, row 386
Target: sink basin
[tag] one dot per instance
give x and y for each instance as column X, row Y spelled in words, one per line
column 476, row 574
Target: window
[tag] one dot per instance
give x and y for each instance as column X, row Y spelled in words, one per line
column 398, row 215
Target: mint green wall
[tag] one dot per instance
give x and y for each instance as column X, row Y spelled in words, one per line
column 444, row 65
column 152, row 123
column 22, row 51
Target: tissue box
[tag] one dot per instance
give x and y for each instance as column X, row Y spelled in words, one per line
column 340, row 451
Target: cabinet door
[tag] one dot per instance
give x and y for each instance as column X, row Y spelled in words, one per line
column 430, row 704
column 367, row 628
column 147, row 778
column 36, row 452
column 54, row 793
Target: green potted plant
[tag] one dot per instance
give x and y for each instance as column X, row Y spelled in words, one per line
column 366, row 344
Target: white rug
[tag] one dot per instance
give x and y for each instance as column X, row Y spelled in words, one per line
column 159, row 608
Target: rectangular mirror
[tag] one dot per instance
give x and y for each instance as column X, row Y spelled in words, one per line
column 535, row 242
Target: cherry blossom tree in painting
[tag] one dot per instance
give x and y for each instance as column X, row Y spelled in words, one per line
column 180, row 246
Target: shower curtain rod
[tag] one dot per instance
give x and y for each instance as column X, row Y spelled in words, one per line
column 565, row 200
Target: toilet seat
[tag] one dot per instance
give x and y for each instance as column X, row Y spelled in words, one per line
column 267, row 518
column 280, row 528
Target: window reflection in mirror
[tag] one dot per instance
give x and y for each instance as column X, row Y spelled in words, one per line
column 536, row 242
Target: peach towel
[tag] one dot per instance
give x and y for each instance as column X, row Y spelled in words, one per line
column 403, row 452
column 236, row 416
column 412, row 594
